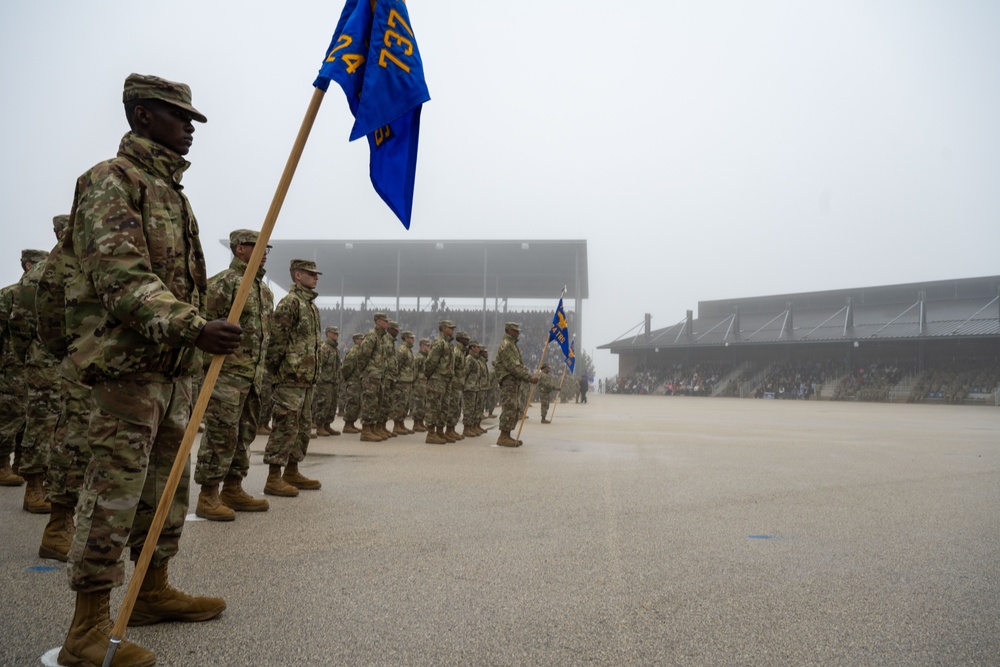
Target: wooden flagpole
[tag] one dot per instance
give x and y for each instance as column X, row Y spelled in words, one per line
column 180, row 462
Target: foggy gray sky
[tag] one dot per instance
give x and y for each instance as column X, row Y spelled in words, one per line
column 705, row 149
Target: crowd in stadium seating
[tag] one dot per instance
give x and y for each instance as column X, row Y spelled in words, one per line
column 797, row 379
column 954, row 381
column 872, row 382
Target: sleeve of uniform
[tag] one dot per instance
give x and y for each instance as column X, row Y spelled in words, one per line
column 219, row 298
column 21, row 322
column 50, row 303
column 283, row 322
column 365, row 351
column 115, row 255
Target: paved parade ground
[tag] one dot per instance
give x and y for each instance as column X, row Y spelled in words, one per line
column 635, row 530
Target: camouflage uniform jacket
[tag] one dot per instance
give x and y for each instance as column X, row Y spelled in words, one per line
column 405, row 363
column 248, row 360
column 471, row 374
column 419, row 359
column 440, row 360
column 546, row 384
column 508, row 362
column 12, row 375
column 133, row 305
column 458, row 351
column 24, row 322
column 349, row 368
column 485, row 374
column 293, row 350
column 371, row 353
column 330, row 358
column 389, row 354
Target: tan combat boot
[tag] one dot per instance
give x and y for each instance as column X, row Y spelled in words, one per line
column 331, row 430
column 276, row 486
column 321, row 430
column 34, row 495
column 7, row 476
column 158, row 601
column 58, row 534
column 452, row 435
column 89, row 634
column 399, row 429
column 263, row 429
column 235, row 497
column 349, row 427
column 298, row 480
column 418, row 426
column 368, row 435
column 385, row 431
column 434, row 437
column 546, row 421
column 210, row 507
column 505, row 440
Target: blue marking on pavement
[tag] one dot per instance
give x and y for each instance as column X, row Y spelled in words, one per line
column 43, row 568
column 762, row 537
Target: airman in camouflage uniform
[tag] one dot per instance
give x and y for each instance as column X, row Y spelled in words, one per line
column 44, row 395
column 546, row 385
column 12, row 387
column 420, row 386
column 404, row 385
column 350, row 379
column 293, row 358
column 470, row 391
column 132, row 322
column 325, row 402
column 266, row 404
column 511, row 374
column 491, row 387
column 389, row 378
column 70, row 453
column 371, row 364
column 454, row 414
column 234, row 408
column 439, row 369
column 484, row 386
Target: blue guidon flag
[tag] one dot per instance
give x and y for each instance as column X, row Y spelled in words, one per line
column 559, row 331
column 374, row 58
column 571, row 358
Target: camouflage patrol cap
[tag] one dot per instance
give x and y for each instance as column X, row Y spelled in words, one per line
column 425, row 341
column 406, row 334
column 144, row 87
column 380, row 316
column 244, row 236
column 462, row 335
column 59, row 223
column 33, row 256
column 516, row 326
column 304, row 265
column 474, row 343
column 332, row 330
column 393, row 324
column 446, row 324
column 356, row 337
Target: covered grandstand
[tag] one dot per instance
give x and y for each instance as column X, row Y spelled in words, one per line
column 923, row 341
column 414, row 280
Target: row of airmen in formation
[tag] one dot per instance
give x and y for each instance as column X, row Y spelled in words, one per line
column 101, row 343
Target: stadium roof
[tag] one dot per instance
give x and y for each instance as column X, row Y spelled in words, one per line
column 963, row 308
column 521, row 269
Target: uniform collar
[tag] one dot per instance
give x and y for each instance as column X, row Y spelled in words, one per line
column 238, row 264
column 155, row 157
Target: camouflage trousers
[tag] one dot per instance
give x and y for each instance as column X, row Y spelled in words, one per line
column 544, row 400
column 453, row 411
column 491, row 400
column 352, row 401
column 419, row 397
column 436, row 401
column 385, row 404
column 11, row 422
column 44, row 399
column 289, row 439
column 230, row 426
column 266, row 404
column 70, row 453
column 511, row 408
column 136, row 429
column 473, row 412
column 371, row 398
column 524, row 390
column 401, row 401
column 325, row 402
